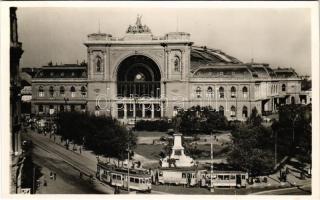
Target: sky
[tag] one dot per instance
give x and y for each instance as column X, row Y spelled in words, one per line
column 278, row 36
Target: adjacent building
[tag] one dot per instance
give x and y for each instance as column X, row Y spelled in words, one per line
column 141, row 76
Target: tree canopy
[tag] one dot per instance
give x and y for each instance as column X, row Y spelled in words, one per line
column 103, row 135
column 200, row 120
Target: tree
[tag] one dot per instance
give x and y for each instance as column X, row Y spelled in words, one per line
column 103, row 135
column 294, row 131
column 252, row 147
column 200, row 120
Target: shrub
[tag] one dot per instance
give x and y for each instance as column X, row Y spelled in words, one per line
column 158, row 125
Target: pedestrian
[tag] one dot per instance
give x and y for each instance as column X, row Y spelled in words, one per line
column 51, row 175
column 80, row 149
column 54, row 176
column 45, row 182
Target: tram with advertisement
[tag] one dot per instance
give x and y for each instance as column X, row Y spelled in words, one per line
column 139, row 179
column 177, row 176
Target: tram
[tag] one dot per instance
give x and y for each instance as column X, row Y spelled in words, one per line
column 229, row 179
column 139, row 179
column 177, row 176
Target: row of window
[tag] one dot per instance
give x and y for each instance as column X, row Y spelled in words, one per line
column 233, row 111
column 83, row 91
column 210, row 92
column 62, row 108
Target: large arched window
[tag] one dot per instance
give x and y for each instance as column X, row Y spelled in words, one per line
column 83, row 91
column 51, row 91
column 221, row 110
column 177, row 64
column 73, row 91
column 41, row 92
column 233, row 111
column 233, row 92
column 98, row 64
column 221, row 92
column 283, row 87
column 245, row 92
column 198, row 92
column 210, row 93
column 62, row 90
column 245, row 112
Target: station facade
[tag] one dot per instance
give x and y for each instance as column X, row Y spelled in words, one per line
column 140, row 76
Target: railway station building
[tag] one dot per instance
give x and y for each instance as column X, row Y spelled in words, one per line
column 142, row 76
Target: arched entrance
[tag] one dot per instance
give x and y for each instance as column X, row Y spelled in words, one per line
column 138, row 77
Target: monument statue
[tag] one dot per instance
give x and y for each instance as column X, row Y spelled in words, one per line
column 138, row 27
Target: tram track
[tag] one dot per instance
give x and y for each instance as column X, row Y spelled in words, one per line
column 77, row 165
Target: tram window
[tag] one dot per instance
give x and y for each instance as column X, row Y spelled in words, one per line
column 142, row 180
column 183, row 175
column 118, row 177
column 113, row 176
column 232, row 177
column 131, row 179
column 193, row 176
column 226, row 177
column 243, row 176
column 220, row 177
column 214, row 176
column 136, row 180
column 161, row 174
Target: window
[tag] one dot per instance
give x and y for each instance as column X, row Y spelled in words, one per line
column 232, row 177
column 245, row 112
column 226, row 177
column 41, row 92
column 83, row 107
column 245, row 92
column 221, row 92
column 61, row 108
column 221, row 73
column 136, row 180
column 72, row 107
column 243, row 177
column 233, row 111
column 198, row 92
column 220, row 177
column 51, row 91
column 210, row 93
column 98, row 64
column 40, row 108
column 183, row 175
column 83, row 91
column 233, row 92
column 221, row 110
column 73, row 91
column 131, row 179
column 283, row 87
column 62, row 90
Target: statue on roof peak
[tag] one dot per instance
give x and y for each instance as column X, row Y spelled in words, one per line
column 138, row 27
column 138, row 22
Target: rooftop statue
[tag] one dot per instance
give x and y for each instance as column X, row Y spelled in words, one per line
column 138, row 27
